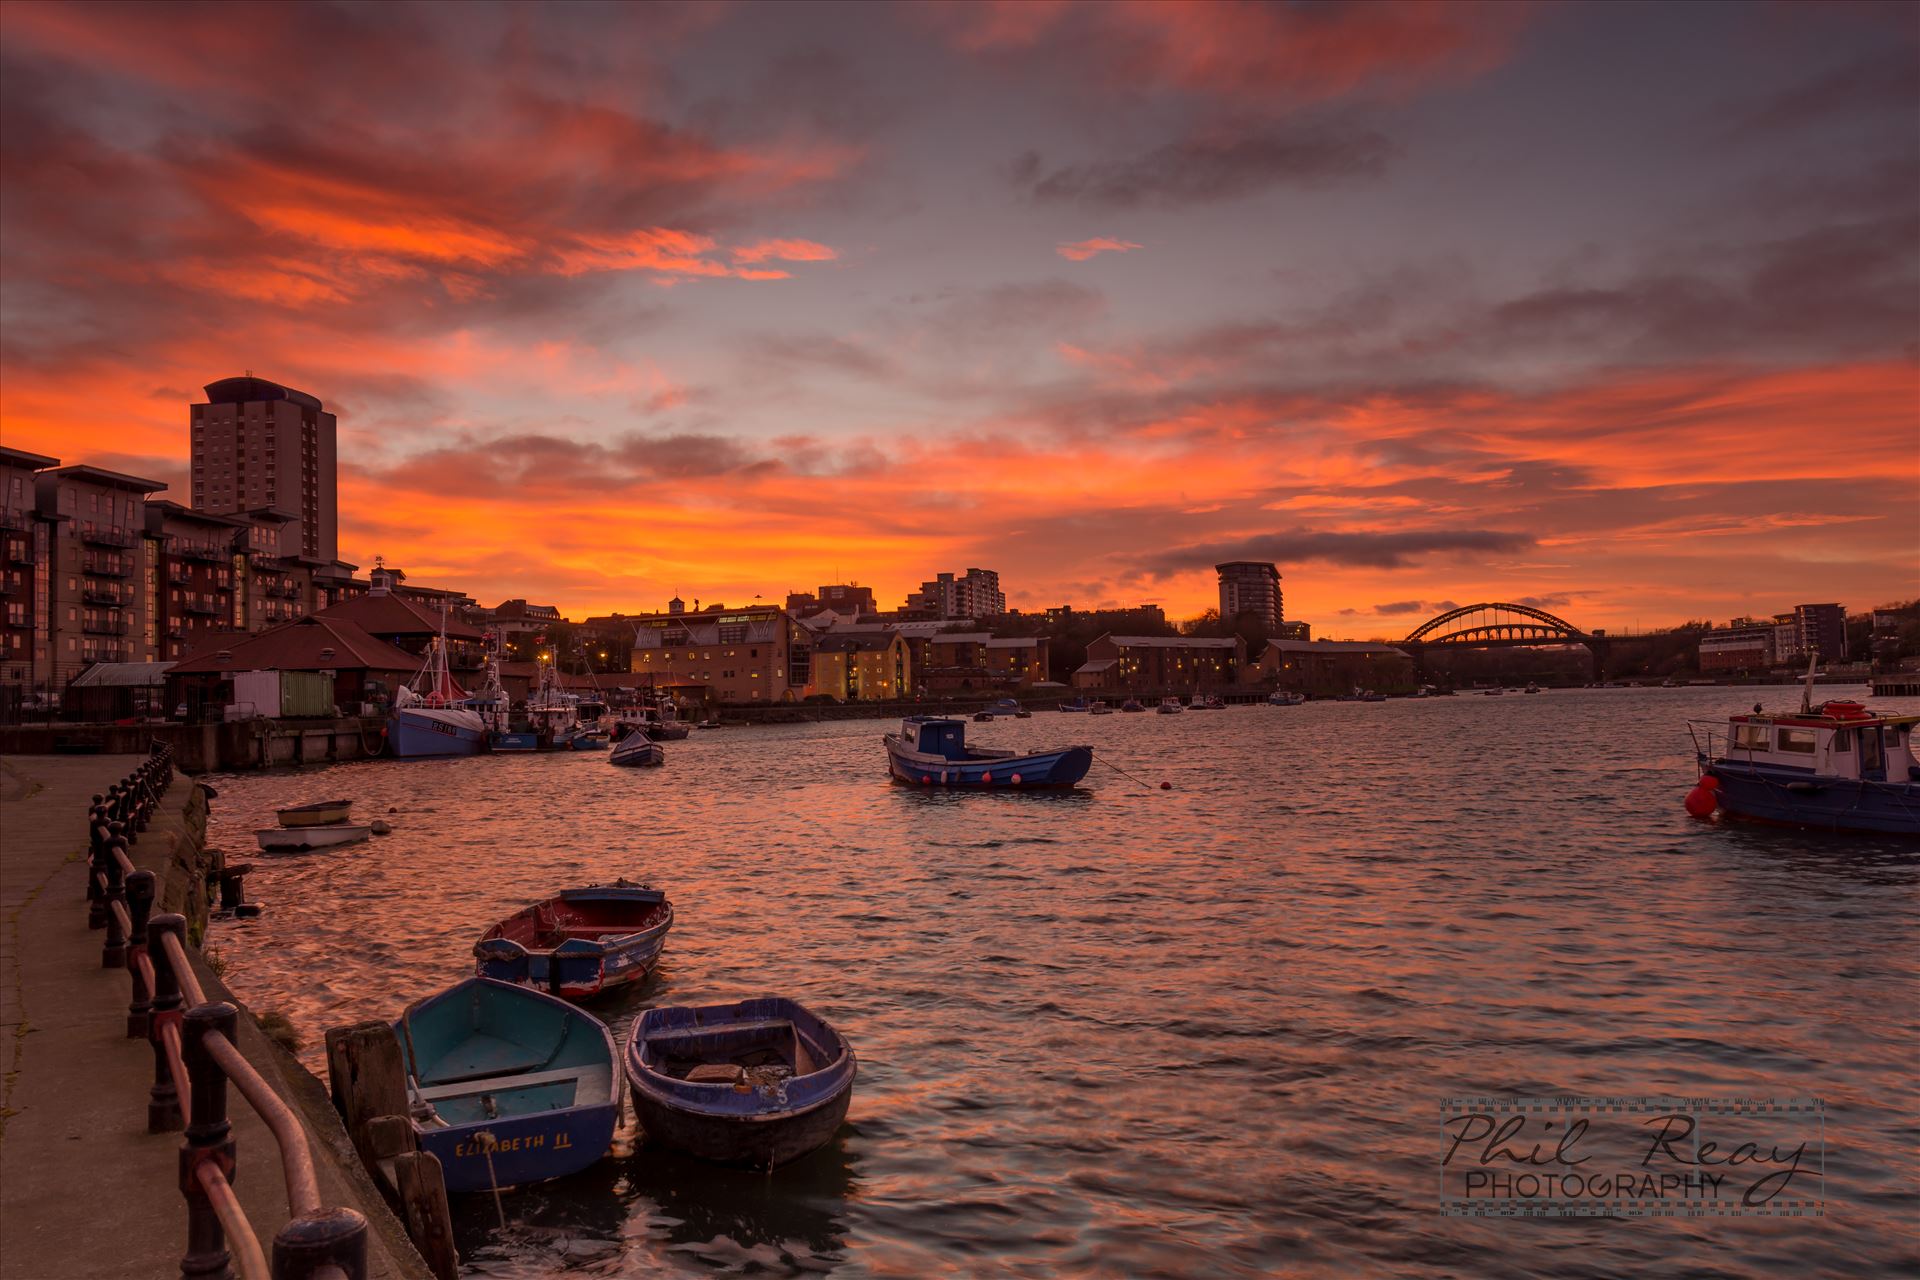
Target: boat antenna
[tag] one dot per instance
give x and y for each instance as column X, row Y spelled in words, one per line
column 1806, row 692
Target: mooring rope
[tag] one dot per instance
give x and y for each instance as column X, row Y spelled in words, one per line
column 1134, row 777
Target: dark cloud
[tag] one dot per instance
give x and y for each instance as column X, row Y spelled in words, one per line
column 1545, row 602
column 1881, row 85
column 1429, row 607
column 1211, row 169
column 799, row 349
column 1391, row 550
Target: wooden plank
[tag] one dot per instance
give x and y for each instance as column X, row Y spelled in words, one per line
column 423, row 1202
column 367, row 1078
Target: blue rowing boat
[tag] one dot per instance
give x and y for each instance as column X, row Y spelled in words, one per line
column 581, row 942
column 757, row 1083
column 508, row 1085
column 933, row 751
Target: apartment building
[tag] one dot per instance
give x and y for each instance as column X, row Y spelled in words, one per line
column 755, row 654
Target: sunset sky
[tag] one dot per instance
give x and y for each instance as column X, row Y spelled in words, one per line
column 1610, row 308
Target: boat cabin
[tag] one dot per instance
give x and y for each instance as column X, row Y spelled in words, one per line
column 1833, row 740
column 935, row 736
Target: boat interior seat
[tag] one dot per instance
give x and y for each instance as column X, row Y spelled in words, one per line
column 583, row 1074
column 482, row 1055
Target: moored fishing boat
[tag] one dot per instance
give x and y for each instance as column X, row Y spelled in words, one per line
column 933, row 751
column 509, row 1085
column 1280, row 698
column 318, row 813
column 1074, row 704
column 1836, row 766
column 580, row 942
column 428, row 718
column 1133, row 704
column 1169, row 707
column 759, row 1083
column 1010, row 707
column 1211, row 702
column 1099, row 707
column 302, row 839
column 586, row 738
column 638, row 749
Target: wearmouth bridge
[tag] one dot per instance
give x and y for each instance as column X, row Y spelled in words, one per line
column 1496, row 625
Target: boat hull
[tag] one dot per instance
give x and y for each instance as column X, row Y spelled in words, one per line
column 1062, row 768
column 303, row 839
column 760, row 1125
column 435, row 731
column 524, row 1087
column 515, row 740
column 1756, row 793
column 325, row 813
column 626, row 930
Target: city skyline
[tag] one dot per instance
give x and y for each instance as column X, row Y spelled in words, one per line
column 1612, row 310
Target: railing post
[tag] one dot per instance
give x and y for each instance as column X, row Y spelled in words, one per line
column 113, row 952
column 209, row 1139
column 323, row 1238
column 97, row 855
column 139, row 907
column 163, row 1100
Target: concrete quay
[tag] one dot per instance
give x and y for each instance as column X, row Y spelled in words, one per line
column 85, row 1190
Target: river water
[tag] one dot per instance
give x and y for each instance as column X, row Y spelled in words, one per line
column 1129, row 1031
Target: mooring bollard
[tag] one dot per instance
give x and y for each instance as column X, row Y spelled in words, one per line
column 113, row 952
column 139, row 907
column 209, row 1138
column 98, row 855
column 321, row 1239
column 163, row 1100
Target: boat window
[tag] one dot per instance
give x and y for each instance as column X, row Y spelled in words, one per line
column 1750, row 737
column 1800, row 741
column 1871, row 758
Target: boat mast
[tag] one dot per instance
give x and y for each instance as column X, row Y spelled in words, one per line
column 1806, row 692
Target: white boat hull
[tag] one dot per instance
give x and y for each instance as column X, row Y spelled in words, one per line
column 301, row 839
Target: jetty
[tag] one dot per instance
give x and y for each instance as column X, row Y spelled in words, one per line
column 147, row 1124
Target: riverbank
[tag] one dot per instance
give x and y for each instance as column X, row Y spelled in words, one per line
column 208, row 748
column 85, row 1190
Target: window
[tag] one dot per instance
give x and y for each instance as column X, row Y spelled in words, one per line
column 1750, row 737
column 1798, row 741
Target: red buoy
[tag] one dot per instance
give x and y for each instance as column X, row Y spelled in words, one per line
column 1166, row 786
column 1710, row 781
column 1701, row 801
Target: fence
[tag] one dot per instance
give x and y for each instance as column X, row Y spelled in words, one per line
column 194, row 1059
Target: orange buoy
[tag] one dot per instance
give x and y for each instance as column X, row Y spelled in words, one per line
column 1701, row 801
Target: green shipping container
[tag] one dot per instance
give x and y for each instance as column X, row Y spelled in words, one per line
column 306, row 694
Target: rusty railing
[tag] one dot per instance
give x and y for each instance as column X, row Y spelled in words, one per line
column 194, row 1059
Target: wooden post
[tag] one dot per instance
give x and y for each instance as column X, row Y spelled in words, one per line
column 113, row 951
column 366, row 1077
column 423, row 1202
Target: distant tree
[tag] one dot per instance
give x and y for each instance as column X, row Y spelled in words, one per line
column 1207, row 624
column 1252, row 628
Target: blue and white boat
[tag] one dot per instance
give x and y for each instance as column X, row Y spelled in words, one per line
column 429, row 717
column 933, row 751
column 580, row 943
column 758, row 1083
column 1281, row 698
column 1010, row 707
column 1074, row 704
column 636, row 750
column 508, row 1085
column 1836, row 766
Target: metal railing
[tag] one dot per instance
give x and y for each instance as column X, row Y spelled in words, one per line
column 194, row 1058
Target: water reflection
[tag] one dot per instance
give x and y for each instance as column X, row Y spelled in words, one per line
column 1127, row 1031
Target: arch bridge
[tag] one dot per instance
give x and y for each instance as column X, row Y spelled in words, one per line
column 1497, row 625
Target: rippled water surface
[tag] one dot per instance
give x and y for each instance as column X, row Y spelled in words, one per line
column 1194, row 1032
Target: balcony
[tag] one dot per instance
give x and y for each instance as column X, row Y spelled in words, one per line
column 104, row 627
column 19, row 553
column 285, row 591
column 8, row 587
column 200, row 551
column 179, row 574
column 269, row 564
column 100, row 568
column 104, row 595
column 13, row 520
column 101, row 536
column 201, row 606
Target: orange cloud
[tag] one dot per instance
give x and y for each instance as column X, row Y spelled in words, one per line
column 1081, row 250
column 784, row 251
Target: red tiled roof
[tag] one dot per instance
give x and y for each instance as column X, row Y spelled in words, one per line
column 395, row 616
column 296, row 646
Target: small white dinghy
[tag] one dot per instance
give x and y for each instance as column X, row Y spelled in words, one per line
column 300, row 839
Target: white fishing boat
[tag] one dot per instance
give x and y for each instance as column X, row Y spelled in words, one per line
column 301, row 839
column 638, row 749
column 429, row 716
